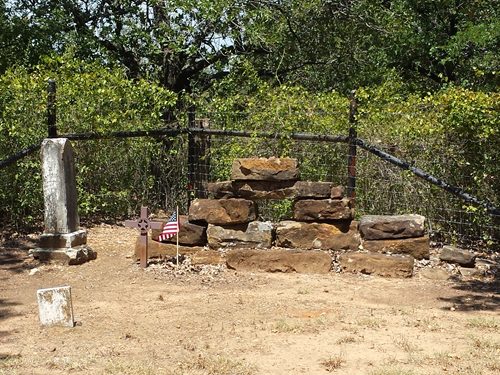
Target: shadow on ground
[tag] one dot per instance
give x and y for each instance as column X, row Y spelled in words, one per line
column 483, row 295
column 6, row 311
column 14, row 255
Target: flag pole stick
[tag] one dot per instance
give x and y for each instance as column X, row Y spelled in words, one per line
column 177, row 255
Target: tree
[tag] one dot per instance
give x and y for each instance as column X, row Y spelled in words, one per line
column 182, row 44
column 344, row 44
column 186, row 45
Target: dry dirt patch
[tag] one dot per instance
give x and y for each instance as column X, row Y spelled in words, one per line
column 217, row 321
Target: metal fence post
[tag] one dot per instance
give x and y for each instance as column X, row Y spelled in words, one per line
column 351, row 161
column 198, row 158
column 51, row 108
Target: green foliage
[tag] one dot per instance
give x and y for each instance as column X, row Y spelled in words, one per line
column 90, row 97
column 186, row 46
column 259, row 107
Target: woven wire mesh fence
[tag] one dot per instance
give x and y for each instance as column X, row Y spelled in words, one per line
column 381, row 188
column 115, row 176
column 319, row 161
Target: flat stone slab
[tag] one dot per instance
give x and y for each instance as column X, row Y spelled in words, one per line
column 378, row 264
column 418, row 248
column 208, row 257
column 279, row 261
column 70, row 256
column 321, row 236
column 256, row 190
column 256, row 234
column 63, row 240
column 456, row 255
column 272, row 169
column 381, row 227
column 189, row 233
column 222, row 211
column 55, row 306
column 437, row 274
column 322, row 209
column 161, row 250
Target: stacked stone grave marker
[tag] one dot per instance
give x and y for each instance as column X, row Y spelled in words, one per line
column 63, row 240
column 227, row 223
column 231, row 218
column 392, row 242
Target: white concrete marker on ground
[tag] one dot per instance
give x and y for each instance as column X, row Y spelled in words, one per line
column 55, row 306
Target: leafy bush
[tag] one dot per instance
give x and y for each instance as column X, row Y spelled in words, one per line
column 90, row 97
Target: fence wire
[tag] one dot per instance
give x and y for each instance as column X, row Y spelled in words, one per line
column 117, row 176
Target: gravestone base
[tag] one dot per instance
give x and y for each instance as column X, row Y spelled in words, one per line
column 63, row 240
column 67, row 256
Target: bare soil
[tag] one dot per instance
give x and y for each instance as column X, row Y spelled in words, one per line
column 210, row 320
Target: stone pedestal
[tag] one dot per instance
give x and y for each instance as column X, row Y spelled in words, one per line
column 62, row 240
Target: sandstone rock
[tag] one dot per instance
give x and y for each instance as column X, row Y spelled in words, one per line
column 309, row 189
column 160, row 249
column 379, row 227
column 256, row 234
column 435, row 274
column 453, row 254
column 416, row 247
column 279, row 261
column 220, row 189
column 337, row 192
column 323, row 209
column 321, row 236
column 272, row 169
column 189, row 233
column 63, row 240
column 470, row 272
column 222, row 211
column 253, row 190
column 378, row 264
column 208, row 257
column 256, row 190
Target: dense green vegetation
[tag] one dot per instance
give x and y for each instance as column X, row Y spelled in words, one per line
column 426, row 75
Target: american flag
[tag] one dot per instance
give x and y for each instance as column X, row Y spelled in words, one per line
column 170, row 229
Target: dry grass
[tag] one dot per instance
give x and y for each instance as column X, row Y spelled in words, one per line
column 392, row 371
column 333, row 363
column 284, row 326
column 213, row 365
column 406, row 345
column 484, row 323
column 346, row 340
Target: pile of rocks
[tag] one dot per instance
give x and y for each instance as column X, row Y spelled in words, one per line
column 384, row 236
column 225, row 229
column 228, row 223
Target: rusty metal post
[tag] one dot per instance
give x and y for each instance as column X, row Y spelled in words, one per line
column 351, row 161
column 198, row 158
column 51, row 108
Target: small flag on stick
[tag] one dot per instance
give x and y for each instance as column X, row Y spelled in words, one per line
column 170, row 229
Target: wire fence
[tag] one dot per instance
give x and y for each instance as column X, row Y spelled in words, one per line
column 381, row 188
column 164, row 169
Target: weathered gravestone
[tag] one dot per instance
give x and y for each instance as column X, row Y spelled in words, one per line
column 55, row 306
column 62, row 240
column 144, row 225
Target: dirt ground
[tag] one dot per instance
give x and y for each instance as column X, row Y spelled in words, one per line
column 217, row 321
